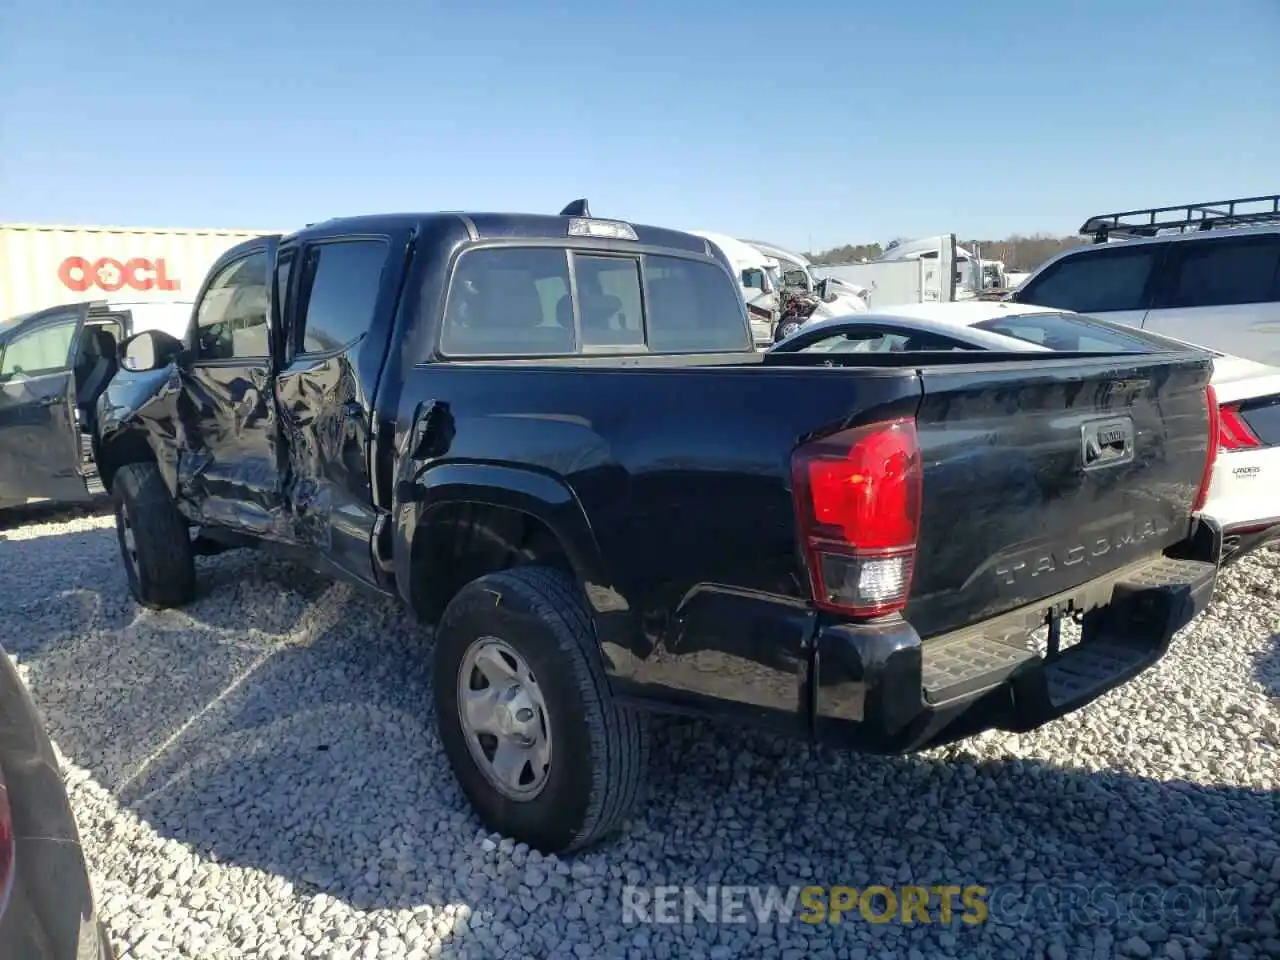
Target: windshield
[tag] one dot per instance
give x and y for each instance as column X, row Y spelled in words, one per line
column 1075, row 332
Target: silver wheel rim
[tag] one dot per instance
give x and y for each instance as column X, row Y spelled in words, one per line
column 504, row 719
column 128, row 539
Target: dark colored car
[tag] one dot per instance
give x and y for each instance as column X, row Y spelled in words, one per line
column 550, row 437
column 46, row 901
column 54, row 365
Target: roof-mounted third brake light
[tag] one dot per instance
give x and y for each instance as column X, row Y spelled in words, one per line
column 583, row 224
column 611, row 229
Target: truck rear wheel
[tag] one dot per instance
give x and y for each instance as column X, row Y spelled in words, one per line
column 154, row 542
column 525, row 714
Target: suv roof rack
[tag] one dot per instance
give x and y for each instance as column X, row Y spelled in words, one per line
column 1244, row 212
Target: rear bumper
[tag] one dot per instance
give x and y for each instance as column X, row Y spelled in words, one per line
column 879, row 688
column 1241, row 539
column 1242, row 498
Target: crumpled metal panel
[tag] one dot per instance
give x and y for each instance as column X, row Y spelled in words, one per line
column 325, row 431
column 149, row 403
column 229, row 464
column 286, row 462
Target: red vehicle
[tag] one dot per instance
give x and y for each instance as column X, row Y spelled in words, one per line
column 46, row 900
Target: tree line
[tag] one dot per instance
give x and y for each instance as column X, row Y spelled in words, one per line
column 1018, row 253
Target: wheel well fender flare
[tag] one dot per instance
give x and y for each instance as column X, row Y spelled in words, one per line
column 131, row 442
column 542, row 496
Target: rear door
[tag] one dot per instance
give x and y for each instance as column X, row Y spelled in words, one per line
column 333, row 291
column 1223, row 293
column 1115, row 281
column 40, row 450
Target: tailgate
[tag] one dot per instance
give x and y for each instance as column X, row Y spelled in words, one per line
column 1044, row 474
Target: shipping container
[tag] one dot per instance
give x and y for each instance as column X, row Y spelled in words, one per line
column 43, row 266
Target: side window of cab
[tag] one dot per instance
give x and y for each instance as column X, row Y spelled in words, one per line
column 1095, row 280
column 231, row 320
column 39, row 352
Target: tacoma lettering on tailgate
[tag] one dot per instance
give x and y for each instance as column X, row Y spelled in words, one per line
column 1047, row 561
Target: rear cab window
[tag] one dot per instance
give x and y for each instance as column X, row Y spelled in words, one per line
column 509, row 301
column 694, row 307
column 513, row 301
column 610, row 304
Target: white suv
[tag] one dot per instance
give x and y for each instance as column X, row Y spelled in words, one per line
column 1215, row 284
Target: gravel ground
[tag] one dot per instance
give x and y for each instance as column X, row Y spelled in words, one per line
column 259, row 776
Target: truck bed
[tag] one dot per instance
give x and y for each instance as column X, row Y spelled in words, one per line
column 682, row 467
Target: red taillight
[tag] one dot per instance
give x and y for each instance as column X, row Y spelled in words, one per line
column 857, row 495
column 1215, row 426
column 1233, row 432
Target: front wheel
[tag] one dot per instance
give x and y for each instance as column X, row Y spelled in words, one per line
column 527, row 720
column 786, row 330
column 154, row 541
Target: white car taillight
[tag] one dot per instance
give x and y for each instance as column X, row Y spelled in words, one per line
column 1233, row 432
column 1211, row 456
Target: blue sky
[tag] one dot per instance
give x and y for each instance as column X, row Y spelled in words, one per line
column 823, row 122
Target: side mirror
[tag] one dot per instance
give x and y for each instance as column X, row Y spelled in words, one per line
column 149, row 350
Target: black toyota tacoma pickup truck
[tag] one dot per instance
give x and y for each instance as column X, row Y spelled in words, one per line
column 551, row 438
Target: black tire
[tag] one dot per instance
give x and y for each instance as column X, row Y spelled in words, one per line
column 786, row 330
column 161, row 566
column 600, row 749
